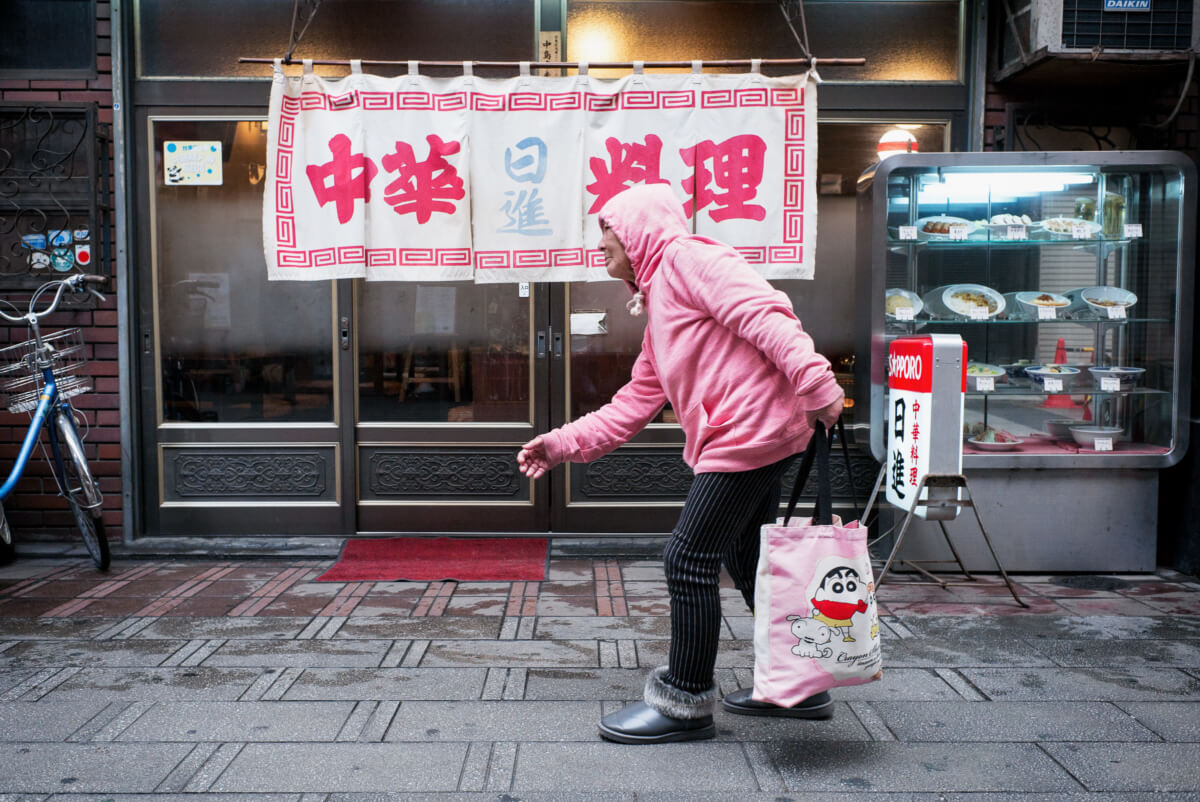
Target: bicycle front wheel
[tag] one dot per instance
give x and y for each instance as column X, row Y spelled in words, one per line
column 80, row 488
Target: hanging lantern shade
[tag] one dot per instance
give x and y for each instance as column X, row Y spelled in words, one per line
column 897, row 140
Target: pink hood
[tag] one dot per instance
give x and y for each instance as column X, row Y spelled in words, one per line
column 721, row 345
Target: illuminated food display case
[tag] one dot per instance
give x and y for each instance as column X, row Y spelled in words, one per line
column 1070, row 277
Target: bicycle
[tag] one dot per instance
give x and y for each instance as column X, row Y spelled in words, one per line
column 41, row 375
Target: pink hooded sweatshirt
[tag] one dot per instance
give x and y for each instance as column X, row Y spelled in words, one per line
column 721, row 344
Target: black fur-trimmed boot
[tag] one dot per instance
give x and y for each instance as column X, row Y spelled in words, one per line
column 667, row 714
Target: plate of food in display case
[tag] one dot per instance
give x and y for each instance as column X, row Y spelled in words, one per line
column 989, row 438
column 1069, row 227
column 978, row 370
column 938, row 227
column 897, row 299
column 1033, row 301
column 1001, row 222
column 972, row 301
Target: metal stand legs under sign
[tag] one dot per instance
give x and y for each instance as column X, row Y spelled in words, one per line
column 955, row 500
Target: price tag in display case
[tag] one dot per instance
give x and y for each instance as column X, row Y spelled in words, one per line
column 1053, row 385
column 985, row 384
column 1103, row 444
column 1017, row 232
column 908, row 232
column 958, row 232
column 1110, row 384
column 1133, row 230
column 1116, row 313
column 978, row 313
column 1047, row 313
column 904, row 313
column 1080, row 232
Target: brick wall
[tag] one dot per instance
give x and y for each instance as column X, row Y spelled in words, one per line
column 34, row 509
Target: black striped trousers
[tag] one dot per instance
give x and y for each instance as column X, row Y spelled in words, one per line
column 719, row 524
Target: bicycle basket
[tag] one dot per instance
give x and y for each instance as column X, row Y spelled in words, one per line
column 21, row 377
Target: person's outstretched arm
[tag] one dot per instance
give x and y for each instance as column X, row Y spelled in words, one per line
column 599, row 432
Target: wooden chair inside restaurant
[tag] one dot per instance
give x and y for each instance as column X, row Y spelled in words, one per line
column 432, row 366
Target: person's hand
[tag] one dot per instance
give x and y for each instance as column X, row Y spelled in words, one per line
column 531, row 459
column 828, row 415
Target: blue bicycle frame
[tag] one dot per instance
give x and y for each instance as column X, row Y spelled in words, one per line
column 46, row 402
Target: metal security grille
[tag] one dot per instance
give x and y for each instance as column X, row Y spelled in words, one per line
column 1166, row 26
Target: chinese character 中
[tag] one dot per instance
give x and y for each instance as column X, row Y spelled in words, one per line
column 519, row 169
column 627, row 164
column 423, row 187
column 524, row 214
column 351, row 174
column 898, row 473
column 899, row 418
column 737, row 168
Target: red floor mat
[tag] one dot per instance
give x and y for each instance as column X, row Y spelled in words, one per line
column 500, row 559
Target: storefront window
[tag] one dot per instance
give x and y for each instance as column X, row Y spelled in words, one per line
column 445, row 352
column 901, row 41
column 233, row 347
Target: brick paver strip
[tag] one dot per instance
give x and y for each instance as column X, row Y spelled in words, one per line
column 38, row 580
column 268, row 592
column 347, row 599
column 435, row 599
column 610, row 592
column 177, row 595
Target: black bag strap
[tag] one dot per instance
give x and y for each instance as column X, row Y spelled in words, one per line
column 818, row 451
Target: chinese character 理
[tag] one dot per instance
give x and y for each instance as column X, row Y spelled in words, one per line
column 737, row 168
column 423, row 188
column 351, row 175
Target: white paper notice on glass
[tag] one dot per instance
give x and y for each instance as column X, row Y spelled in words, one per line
column 523, row 289
column 908, row 232
column 985, row 384
column 1116, row 313
column 1104, row 444
column 192, row 163
column 1047, row 313
column 1110, row 384
column 1053, row 385
column 1133, row 230
column 435, row 310
column 904, row 313
column 589, row 323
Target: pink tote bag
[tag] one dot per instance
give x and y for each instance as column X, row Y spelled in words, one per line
column 816, row 625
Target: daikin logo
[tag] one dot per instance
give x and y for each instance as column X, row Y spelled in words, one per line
column 904, row 366
column 1126, row 5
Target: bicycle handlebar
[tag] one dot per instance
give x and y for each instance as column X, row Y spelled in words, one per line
column 76, row 283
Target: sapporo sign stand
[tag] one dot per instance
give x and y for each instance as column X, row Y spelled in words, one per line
column 923, row 471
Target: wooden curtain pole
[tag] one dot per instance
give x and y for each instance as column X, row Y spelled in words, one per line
column 600, row 65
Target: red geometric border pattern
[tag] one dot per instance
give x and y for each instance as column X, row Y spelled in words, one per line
column 285, row 223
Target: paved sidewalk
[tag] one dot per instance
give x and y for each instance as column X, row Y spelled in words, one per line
column 247, row 680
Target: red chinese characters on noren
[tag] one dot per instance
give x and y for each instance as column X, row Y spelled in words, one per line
column 423, row 187
column 737, row 168
column 628, row 164
column 420, row 187
column 351, row 174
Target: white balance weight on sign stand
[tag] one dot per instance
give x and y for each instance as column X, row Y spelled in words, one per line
column 922, row 473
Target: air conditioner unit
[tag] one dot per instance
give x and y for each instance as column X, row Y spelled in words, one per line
column 1037, row 28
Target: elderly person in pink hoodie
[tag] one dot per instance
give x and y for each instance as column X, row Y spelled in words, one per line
column 726, row 349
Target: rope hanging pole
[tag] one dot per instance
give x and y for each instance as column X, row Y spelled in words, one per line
column 604, row 65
